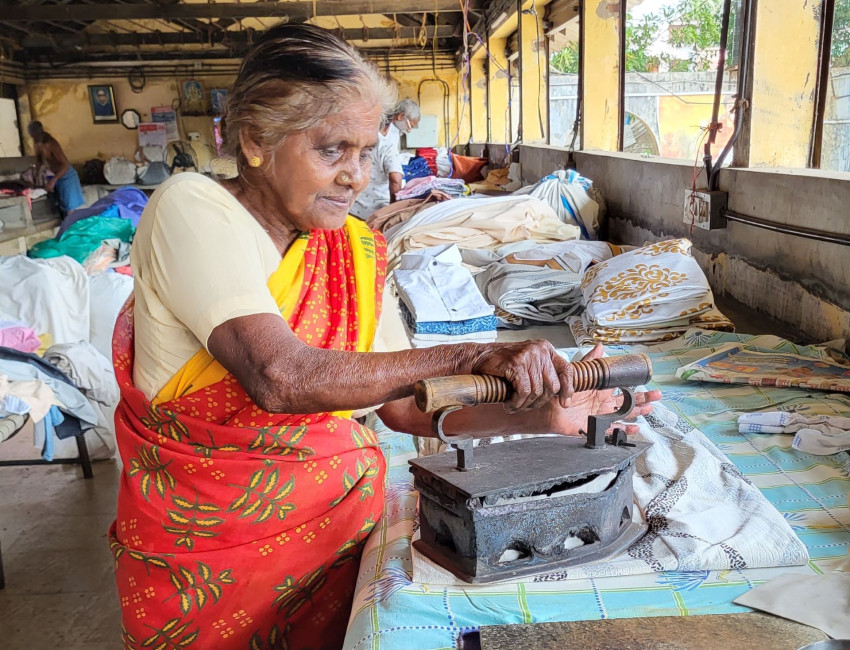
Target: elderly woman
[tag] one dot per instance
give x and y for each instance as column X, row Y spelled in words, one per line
column 248, row 488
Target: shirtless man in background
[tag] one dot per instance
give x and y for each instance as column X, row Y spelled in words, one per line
column 65, row 181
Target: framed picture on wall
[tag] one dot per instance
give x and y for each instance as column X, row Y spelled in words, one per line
column 103, row 107
column 193, row 97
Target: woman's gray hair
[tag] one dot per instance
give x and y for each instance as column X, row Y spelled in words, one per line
column 292, row 79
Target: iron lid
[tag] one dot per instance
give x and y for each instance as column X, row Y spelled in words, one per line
column 527, row 463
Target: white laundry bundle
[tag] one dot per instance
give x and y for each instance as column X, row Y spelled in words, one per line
column 108, row 293
column 573, row 198
column 653, row 293
column 819, row 435
column 50, row 295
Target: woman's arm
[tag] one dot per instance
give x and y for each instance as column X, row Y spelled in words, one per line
column 282, row 374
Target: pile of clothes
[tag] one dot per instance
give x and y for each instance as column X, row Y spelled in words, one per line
column 419, row 187
column 429, row 155
column 439, row 300
column 647, row 295
column 483, row 223
column 98, row 237
column 417, row 167
column 56, row 326
column 70, row 391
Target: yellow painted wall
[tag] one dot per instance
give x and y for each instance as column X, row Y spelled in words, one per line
column 63, row 107
column 478, row 96
column 784, row 78
column 533, row 68
column 431, row 102
column 600, row 81
column 499, row 91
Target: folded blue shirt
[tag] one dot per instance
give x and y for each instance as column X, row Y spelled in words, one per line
column 449, row 328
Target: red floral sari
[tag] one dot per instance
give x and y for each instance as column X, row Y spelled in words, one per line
column 239, row 528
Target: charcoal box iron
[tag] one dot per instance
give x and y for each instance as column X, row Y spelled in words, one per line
column 534, row 505
column 516, row 514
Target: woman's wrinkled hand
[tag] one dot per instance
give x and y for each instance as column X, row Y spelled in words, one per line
column 568, row 421
column 536, row 372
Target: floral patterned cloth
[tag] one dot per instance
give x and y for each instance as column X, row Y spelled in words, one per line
column 654, row 293
column 239, row 528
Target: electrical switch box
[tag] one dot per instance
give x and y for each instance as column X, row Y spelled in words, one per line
column 704, row 208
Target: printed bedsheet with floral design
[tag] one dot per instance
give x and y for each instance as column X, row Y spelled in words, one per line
column 391, row 612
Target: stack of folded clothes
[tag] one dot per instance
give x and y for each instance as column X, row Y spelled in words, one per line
column 440, row 302
column 454, row 187
column 648, row 295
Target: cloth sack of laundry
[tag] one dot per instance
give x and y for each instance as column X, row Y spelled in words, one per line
column 108, row 293
column 119, row 171
column 573, row 198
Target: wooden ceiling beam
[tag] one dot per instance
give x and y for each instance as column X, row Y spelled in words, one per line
column 225, row 38
column 288, row 10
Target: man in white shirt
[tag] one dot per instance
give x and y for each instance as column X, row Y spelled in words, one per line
column 386, row 175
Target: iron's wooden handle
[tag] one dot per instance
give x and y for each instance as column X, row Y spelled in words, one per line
column 471, row 390
column 460, row 390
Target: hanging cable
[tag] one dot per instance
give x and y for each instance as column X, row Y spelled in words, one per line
column 714, row 126
column 741, row 104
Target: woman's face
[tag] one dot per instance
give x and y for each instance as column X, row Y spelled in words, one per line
column 318, row 172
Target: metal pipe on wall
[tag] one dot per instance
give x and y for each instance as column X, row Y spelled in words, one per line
column 795, row 231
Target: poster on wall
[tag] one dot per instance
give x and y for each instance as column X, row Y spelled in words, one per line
column 102, row 100
column 152, row 134
column 193, row 97
column 167, row 116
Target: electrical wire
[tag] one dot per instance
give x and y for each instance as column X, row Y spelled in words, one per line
column 692, row 198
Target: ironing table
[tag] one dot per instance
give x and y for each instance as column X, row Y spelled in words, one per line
column 392, row 612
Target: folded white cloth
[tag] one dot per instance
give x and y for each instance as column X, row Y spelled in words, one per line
column 654, row 286
column 819, row 435
column 539, row 282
